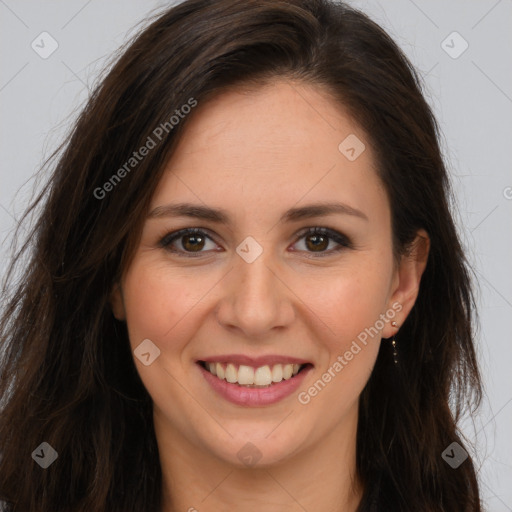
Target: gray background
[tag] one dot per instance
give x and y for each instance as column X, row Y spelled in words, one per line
column 471, row 96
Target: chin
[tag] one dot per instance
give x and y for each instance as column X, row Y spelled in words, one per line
column 255, row 448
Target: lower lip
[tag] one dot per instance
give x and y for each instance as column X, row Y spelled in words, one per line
column 255, row 397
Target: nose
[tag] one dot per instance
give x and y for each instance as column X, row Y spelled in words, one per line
column 256, row 300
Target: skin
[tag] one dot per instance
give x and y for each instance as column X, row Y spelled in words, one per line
column 257, row 153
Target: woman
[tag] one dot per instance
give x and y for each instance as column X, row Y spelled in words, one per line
column 246, row 288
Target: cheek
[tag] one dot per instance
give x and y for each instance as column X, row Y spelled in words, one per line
column 350, row 301
column 160, row 302
column 351, row 306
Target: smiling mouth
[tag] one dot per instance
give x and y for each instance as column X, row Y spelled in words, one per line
column 250, row 377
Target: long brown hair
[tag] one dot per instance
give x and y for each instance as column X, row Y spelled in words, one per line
column 66, row 369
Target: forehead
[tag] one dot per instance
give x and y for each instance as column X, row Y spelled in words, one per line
column 268, row 146
column 282, row 115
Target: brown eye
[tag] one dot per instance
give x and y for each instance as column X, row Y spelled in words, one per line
column 189, row 242
column 192, row 242
column 317, row 240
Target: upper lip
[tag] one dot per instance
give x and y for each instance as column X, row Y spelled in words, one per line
column 256, row 362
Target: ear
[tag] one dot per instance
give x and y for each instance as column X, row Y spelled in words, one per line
column 406, row 280
column 117, row 303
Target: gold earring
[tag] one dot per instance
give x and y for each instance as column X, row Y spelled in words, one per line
column 393, row 343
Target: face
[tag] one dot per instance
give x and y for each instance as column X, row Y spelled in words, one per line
column 254, row 292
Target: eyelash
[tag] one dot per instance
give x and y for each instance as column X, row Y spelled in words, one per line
column 342, row 240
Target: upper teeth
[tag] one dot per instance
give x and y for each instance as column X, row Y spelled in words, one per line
column 247, row 375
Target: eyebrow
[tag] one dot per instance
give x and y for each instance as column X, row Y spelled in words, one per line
column 218, row 215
